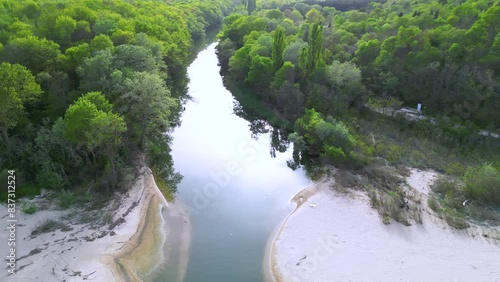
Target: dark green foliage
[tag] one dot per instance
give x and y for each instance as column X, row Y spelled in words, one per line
column 278, row 48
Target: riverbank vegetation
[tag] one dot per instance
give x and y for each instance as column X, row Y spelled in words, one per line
column 89, row 87
column 339, row 77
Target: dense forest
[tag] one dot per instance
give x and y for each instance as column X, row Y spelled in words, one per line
column 91, row 87
column 341, row 75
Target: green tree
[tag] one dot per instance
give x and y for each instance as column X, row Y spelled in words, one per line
column 261, row 73
column 18, row 87
column 101, row 42
column 95, row 72
column 64, row 28
column 240, row 62
column 278, row 48
column 90, row 122
column 314, row 16
column 275, row 14
column 105, row 26
column 329, row 138
column 35, row 54
column 135, row 58
column 285, row 73
column 293, row 50
column 316, row 45
column 367, row 52
column 296, row 17
column 76, row 55
column 82, row 32
column 146, row 105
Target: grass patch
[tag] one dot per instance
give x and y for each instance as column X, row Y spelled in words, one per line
column 434, row 204
column 455, row 218
column 29, row 208
column 46, row 226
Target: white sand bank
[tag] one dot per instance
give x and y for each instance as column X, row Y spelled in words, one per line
column 124, row 250
column 336, row 237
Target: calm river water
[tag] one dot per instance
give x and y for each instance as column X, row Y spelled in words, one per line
column 235, row 187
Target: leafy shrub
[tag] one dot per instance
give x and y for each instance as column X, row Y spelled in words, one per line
column 482, row 183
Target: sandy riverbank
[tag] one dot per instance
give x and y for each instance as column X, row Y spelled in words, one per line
column 121, row 242
column 339, row 237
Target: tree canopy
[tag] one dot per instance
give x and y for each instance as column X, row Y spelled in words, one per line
column 87, row 79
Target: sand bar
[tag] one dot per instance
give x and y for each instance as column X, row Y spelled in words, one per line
column 339, row 237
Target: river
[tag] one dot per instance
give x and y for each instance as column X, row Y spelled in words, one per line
column 235, row 188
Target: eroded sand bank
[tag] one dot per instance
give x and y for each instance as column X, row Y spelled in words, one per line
column 125, row 249
column 339, row 237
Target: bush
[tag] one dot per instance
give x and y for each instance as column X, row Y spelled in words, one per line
column 443, row 185
column 434, row 204
column 65, row 199
column 389, row 205
column 482, row 183
column 383, row 177
column 29, row 208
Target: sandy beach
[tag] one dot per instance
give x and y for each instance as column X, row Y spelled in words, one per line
column 334, row 236
column 125, row 248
